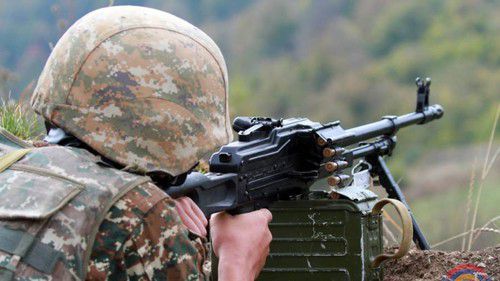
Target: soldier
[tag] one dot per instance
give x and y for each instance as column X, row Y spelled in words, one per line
column 132, row 97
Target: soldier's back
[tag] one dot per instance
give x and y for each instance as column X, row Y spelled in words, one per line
column 66, row 214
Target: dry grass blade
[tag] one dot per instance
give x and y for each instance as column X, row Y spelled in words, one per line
column 389, row 233
column 493, row 159
column 393, row 222
column 385, row 242
column 469, row 200
column 487, row 163
column 490, row 142
column 492, row 221
column 479, row 230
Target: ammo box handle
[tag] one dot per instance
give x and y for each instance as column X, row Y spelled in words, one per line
column 404, row 247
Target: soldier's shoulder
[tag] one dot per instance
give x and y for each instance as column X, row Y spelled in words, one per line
column 82, row 166
column 140, row 200
column 90, row 169
column 124, row 222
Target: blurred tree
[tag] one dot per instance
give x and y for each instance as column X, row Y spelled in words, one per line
column 331, row 59
column 5, row 78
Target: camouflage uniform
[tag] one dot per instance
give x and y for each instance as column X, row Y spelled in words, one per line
column 147, row 91
column 132, row 243
column 140, row 237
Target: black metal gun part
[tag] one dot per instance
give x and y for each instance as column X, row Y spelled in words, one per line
column 280, row 159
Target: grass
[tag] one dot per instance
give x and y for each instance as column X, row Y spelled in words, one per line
column 19, row 120
column 440, row 216
column 488, row 163
column 441, row 213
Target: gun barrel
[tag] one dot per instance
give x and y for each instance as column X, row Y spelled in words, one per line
column 390, row 125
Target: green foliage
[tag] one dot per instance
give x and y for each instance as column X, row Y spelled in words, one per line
column 5, row 77
column 402, row 23
column 277, row 37
column 16, row 119
column 326, row 60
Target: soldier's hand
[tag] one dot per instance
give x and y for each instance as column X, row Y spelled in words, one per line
column 192, row 217
column 241, row 242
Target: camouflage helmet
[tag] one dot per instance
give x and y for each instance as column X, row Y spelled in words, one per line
column 140, row 86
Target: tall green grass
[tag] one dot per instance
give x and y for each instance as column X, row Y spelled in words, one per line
column 19, row 120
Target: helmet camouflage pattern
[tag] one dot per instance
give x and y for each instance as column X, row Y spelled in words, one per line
column 142, row 87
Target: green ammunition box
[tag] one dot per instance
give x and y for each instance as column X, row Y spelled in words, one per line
column 323, row 240
column 320, row 239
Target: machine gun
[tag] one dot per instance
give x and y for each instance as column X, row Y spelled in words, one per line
column 280, row 159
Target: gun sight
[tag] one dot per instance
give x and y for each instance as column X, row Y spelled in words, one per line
column 423, row 92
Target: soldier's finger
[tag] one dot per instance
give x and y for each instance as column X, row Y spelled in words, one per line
column 199, row 213
column 188, row 206
column 266, row 214
column 186, row 219
column 189, row 203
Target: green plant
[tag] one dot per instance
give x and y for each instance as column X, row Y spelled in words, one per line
column 19, row 121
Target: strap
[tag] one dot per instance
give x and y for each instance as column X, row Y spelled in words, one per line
column 43, row 257
column 6, row 274
column 15, row 242
column 12, row 141
column 404, row 214
column 33, row 252
column 12, row 157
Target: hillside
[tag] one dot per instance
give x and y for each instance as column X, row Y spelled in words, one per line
column 348, row 60
column 332, row 59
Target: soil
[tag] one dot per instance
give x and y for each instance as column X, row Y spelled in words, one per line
column 434, row 265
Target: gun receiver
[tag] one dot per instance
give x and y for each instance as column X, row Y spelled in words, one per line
column 280, row 159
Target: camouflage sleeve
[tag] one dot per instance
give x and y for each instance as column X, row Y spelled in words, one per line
column 143, row 238
column 161, row 248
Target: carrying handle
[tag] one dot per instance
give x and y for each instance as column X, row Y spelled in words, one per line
column 404, row 214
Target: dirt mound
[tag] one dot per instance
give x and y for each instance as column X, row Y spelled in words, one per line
column 437, row 265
